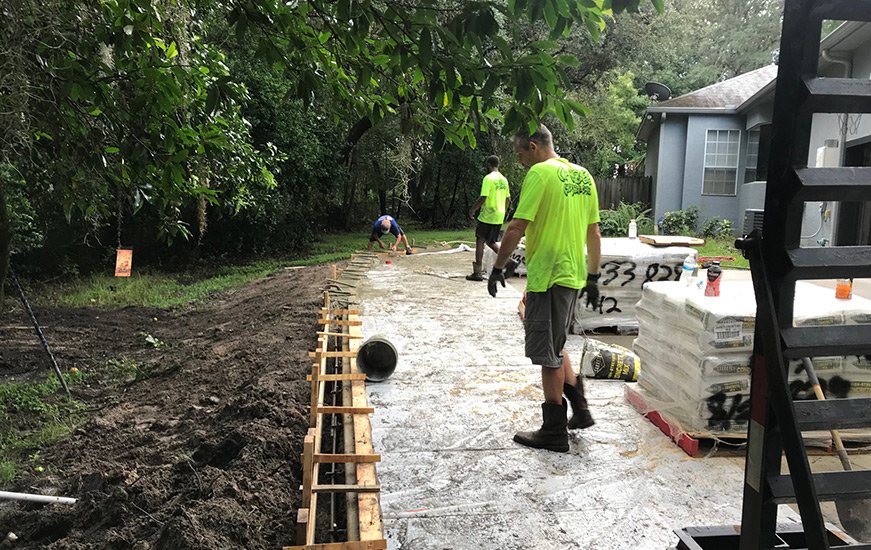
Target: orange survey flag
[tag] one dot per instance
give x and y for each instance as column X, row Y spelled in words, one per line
column 123, row 262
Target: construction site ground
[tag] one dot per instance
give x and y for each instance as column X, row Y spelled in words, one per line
column 452, row 477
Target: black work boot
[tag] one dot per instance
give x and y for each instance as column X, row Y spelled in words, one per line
column 581, row 417
column 552, row 435
column 477, row 272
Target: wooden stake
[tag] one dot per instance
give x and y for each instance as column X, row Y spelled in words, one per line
column 301, row 525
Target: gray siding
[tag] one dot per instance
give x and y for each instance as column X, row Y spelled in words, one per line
column 694, row 171
column 672, row 142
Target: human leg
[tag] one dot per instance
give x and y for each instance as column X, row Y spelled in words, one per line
column 477, row 265
column 553, row 434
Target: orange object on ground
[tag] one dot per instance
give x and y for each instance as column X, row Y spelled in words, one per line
column 844, row 289
column 123, row 262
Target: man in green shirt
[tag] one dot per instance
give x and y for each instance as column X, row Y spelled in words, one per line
column 559, row 212
column 493, row 203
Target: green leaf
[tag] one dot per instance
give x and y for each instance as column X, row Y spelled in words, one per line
column 112, row 150
column 425, row 51
column 544, row 45
column 578, row 107
column 95, row 112
column 438, row 141
column 569, row 60
column 212, row 99
column 490, row 86
column 550, row 14
column 171, row 51
column 660, row 5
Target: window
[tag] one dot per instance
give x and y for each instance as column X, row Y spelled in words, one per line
column 750, row 173
column 721, row 162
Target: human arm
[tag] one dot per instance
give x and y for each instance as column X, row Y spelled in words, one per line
column 398, row 238
column 478, row 204
column 510, row 239
column 594, row 248
column 594, row 258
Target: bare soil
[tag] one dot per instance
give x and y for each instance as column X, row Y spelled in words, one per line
column 196, row 448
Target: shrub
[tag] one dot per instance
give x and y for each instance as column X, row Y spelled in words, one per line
column 615, row 223
column 717, row 227
column 679, row 222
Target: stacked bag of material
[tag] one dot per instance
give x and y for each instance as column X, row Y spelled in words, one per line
column 695, row 351
column 626, row 265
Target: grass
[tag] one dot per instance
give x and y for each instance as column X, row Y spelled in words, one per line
column 161, row 290
column 33, row 415
column 724, row 246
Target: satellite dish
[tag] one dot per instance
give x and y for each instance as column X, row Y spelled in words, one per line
column 656, row 91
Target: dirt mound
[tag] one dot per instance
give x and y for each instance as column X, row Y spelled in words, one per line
column 197, row 444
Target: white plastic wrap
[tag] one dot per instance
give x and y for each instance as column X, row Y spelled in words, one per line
column 626, row 265
column 519, row 255
column 695, row 350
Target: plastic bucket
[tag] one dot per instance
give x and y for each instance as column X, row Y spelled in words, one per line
column 377, row 359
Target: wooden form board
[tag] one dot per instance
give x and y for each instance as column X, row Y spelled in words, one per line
column 379, row 544
column 363, row 457
column 670, row 240
column 368, row 504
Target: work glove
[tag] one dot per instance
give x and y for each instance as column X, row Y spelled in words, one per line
column 496, row 276
column 510, row 267
column 591, row 290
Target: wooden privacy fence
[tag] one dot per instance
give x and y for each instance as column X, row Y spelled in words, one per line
column 627, row 189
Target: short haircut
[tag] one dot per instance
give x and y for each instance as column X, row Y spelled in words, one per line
column 541, row 137
column 385, row 226
column 492, row 161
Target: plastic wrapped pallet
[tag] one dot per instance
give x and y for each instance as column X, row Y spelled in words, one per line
column 695, row 350
column 626, row 265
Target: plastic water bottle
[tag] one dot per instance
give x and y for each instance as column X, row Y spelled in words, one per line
column 689, row 271
column 715, row 274
column 633, row 229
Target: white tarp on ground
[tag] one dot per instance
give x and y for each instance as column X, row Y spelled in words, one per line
column 626, row 265
column 450, row 474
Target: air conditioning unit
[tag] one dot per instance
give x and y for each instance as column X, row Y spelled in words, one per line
column 753, row 220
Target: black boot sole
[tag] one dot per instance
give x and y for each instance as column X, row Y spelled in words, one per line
column 545, row 446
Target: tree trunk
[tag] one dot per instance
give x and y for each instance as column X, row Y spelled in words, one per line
column 5, row 240
column 350, row 190
column 354, row 134
column 436, row 203
column 453, row 198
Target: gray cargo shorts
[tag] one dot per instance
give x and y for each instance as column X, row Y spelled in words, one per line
column 547, row 320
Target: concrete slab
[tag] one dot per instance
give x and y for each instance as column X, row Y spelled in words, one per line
column 451, row 475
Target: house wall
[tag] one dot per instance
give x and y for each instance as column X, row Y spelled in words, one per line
column 694, row 170
column 672, row 143
column 651, row 162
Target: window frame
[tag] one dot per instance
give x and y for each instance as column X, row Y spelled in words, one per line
column 758, row 132
column 705, row 166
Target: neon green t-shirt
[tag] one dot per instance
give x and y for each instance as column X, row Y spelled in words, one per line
column 495, row 188
column 559, row 199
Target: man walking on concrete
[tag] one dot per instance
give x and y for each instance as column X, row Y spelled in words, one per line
column 559, row 212
column 493, row 203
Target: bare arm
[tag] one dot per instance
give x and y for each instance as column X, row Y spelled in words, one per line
column 594, row 248
column 510, row 240
column 477, row 205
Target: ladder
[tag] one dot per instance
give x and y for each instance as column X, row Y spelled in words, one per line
column 777, row 261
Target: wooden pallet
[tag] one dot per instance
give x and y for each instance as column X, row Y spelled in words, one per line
column 363, row 458
column 704, row 444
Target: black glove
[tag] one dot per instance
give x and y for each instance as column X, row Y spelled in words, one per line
column 496, row 276
column 591, row 290
column 510, row 267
